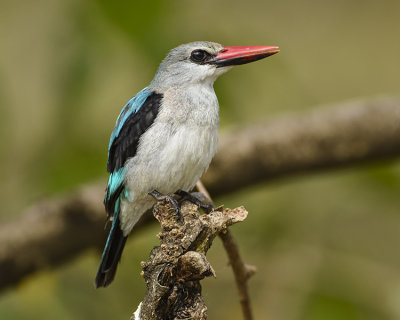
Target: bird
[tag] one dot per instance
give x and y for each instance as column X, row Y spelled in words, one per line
column 165, row 138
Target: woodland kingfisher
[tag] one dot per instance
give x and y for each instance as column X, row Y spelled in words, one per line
column 165, row 137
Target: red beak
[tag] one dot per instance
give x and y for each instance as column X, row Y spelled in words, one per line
column 231, row 56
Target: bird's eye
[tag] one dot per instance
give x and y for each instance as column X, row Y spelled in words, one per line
column 199, row 55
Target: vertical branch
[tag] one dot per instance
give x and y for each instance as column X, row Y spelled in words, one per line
column 241, row 271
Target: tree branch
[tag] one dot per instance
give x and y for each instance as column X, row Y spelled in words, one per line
column 242, row 272
column 53, row 232
column 352, row 133
column 175, row 268
column 357, row 132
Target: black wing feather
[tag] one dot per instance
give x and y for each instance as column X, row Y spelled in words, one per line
column 126, row 143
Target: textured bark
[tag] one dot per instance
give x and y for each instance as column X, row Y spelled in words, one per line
column 175, row 268
column 55, row 231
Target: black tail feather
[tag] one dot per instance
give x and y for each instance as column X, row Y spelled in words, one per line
column 111, row 256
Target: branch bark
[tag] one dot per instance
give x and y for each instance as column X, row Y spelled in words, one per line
column 175, row 268
column 53, row 232
column 349, row 134
column 242, row 272
column 56, row 230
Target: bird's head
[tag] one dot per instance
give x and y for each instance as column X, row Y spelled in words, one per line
column 203, row 62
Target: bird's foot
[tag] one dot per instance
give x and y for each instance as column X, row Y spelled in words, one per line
column 207, row 207
column 162, row 197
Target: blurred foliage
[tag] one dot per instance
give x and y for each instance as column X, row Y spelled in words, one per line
column 326, row 245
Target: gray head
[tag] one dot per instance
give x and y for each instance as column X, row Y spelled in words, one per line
column 185, row 65
column 202, row 62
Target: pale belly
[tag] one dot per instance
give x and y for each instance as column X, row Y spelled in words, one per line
column 167, row 161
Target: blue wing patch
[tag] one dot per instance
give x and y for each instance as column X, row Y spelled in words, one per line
column 131, row 107
column 136, row 117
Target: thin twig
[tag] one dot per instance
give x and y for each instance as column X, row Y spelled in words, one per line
column 241, row 271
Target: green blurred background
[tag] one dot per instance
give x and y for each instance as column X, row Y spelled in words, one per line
column 326, row 245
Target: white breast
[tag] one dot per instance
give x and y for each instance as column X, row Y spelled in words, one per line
column 175, row 151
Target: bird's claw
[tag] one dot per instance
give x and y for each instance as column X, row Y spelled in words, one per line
column 207, row 207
